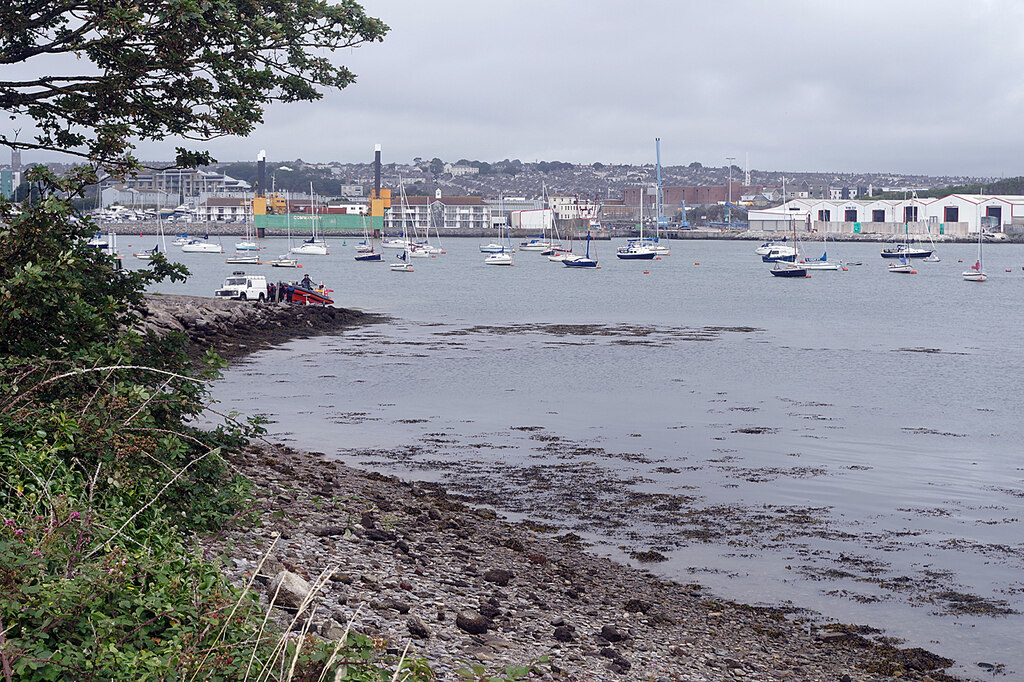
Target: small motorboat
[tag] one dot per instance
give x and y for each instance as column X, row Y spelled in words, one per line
column 243, row 259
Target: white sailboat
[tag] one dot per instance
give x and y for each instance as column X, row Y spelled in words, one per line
column 404, row 263
column 285, row 260
column 934, row 256
column 977, row 271
column 504, row 256
column 822, row 263
column 248, row 243
column 494, row 247
column 313, row 246
column 202, row 246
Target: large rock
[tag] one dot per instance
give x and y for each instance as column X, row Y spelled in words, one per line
column 418, row 629
column 498, row 576
column 291, row 589
column 472, row 622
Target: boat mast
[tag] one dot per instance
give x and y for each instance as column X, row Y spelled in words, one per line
column 661, row 197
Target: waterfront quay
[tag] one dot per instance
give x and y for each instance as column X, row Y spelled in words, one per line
column 221, row 229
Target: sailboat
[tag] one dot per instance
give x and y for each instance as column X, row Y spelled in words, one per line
column 822, row 263
column 581, row 261
column 977, row 272
column 504, row 256
column 366, row 254
column 247, row 244
column 405, row 258
column 902, row 267
column 558, row 254
column 783, row 268
column 285, row 260
column 933, row 257
column 425, row 246
column 239, row 258
column 148, row 254
column 636, row 249
column 404, row 265
column 197, row 245
column 312, row 246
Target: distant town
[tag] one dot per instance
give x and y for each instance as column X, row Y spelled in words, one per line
column 475, row 195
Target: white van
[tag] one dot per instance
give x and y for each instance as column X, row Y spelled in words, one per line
column 243, row 287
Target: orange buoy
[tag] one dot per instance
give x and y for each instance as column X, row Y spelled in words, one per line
column 697, row 263
column 913, row 272
column 1008, row 270
column 647, row 272
column 657, row 258
column 845, row 268
column 807, row 276
column 298, row 265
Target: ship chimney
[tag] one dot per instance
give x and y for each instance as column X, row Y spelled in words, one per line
column 376, row 171
column 261, row 172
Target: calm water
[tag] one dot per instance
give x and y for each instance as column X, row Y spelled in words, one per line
column 881, row 407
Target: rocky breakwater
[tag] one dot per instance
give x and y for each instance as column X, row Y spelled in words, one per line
column 408, row 562
column 234, row 328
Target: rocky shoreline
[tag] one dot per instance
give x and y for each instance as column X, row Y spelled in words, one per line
column 409, row 562
column 235, row 328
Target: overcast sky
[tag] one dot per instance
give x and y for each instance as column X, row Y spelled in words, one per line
column 908, row 86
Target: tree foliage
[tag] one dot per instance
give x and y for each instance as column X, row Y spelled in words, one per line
column 149, row 69
column 104, row 474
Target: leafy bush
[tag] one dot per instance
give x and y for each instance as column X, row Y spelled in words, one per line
column 104, row 482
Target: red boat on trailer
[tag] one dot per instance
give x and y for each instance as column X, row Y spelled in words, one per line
column 304, row 296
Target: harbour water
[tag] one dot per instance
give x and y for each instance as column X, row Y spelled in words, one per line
column 848, row 443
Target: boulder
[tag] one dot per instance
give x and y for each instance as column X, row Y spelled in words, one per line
column 472, row 622
column 291, row 589
column 418, row 629
column 498, row 576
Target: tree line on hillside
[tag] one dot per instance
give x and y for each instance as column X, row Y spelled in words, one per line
column 1008, row 186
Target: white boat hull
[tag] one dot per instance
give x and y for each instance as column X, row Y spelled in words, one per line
column 310, row 249
column 822, row 265
column 535, row 246
column 903, row 269
column 202, row 248
column 498, row 259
